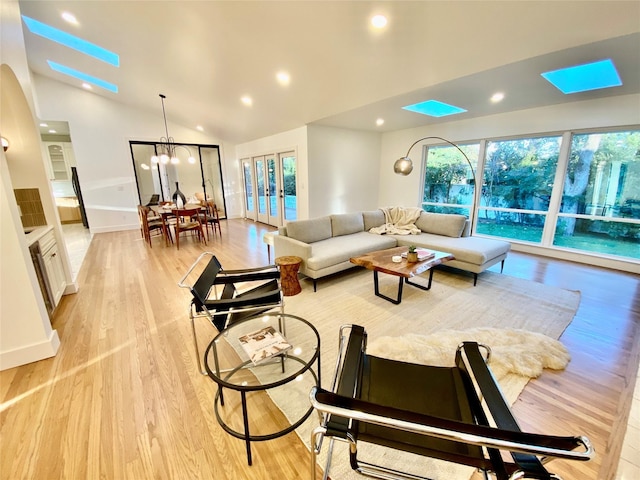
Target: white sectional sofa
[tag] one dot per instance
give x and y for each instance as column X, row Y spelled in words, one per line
column 326, row 244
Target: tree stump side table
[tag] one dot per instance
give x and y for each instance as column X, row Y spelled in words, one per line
column 289, row 266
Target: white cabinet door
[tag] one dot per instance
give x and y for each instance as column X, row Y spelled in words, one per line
column 55, row 273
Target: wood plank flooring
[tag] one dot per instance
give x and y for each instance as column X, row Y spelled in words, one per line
column 122, row 399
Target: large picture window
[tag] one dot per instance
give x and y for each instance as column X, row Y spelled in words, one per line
column 583, row 196
column 600, row 210
column 517, row 185
column 448, row 179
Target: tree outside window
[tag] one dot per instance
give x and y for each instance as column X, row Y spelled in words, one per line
column 602, row 185
column 517, row 186
column 448, row 179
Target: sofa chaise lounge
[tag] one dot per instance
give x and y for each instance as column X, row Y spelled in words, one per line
column 326, row 244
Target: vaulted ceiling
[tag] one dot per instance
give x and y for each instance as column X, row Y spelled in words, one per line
column 206, row 55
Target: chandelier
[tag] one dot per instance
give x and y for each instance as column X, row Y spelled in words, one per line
column 166, row 148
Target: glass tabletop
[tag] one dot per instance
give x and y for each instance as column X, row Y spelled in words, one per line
column 262, row 352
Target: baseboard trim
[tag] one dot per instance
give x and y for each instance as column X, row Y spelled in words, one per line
column 30, row 353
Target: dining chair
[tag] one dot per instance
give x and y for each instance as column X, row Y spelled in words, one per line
column 188, row 220
column 210, row 217
column 150, row 226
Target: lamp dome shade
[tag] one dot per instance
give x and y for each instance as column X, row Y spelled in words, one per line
column 403, row 166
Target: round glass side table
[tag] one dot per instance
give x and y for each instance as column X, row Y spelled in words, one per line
column 229, row 365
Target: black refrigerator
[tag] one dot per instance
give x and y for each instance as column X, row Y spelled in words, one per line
column 76, row 188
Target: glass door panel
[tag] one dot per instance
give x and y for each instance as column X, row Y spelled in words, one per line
column 212, row 175
column 197, row 170
column 288, row 190
column 147, row 173
column 261, row 189
column 249, row 198
column 272, row 191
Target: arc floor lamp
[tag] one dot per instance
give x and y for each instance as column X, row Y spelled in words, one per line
column 404, row 166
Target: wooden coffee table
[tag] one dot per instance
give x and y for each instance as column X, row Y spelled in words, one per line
column 380, row 261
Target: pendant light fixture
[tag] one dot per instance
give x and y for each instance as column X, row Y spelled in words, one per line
column 166, row 148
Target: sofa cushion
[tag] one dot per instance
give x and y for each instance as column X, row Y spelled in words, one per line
column 309, row 231
column 346, row 224
column 473, row 250
column 449, row 225
column 372, row 219
column 335, row 250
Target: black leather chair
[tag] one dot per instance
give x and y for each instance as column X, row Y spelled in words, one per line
column 431, row 411
column 228, row 296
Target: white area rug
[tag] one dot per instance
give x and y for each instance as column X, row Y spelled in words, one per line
column 453, row 304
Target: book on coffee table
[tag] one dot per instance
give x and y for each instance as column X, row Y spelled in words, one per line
column 264, row 344
column 423, row 254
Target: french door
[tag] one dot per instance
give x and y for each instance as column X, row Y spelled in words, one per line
column 270, row 188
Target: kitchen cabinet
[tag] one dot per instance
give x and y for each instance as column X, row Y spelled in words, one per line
column 61, row 160
column 53, row 266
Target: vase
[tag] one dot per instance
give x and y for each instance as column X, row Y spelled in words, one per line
column 178, row 197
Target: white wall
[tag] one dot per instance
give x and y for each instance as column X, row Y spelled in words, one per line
column 12, row 50
column 100, row 133
column 25, row 330
column 343, row 170
column 337, row 169
column 296, row 140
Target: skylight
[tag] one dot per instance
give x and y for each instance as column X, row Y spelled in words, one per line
column 83, row 76
column 71, row 41
column 582, row 78
column 434, row 108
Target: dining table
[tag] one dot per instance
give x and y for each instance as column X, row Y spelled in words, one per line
column 166, row 212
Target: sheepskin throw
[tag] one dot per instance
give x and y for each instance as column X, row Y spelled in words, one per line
column 399, row 221
column 513, row 351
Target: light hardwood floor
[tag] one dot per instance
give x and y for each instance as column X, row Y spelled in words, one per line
column 122, row 398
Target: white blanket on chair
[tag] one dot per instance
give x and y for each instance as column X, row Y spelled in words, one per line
column 399, row 221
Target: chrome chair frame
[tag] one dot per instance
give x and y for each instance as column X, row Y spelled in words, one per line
column 341, row 410
column 221, row 308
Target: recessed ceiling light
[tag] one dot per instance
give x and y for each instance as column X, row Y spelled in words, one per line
column 379, row 21
column 247, row 100
column 582, row 78
column 283, row 78
column 497, row 97
column 69, row 18
column 52, row 131
column 434, row 108
column 71, row 41
column 44, row 125
column 83, row 76
column 380, row 121
column 199, row 128
column 86, row 86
